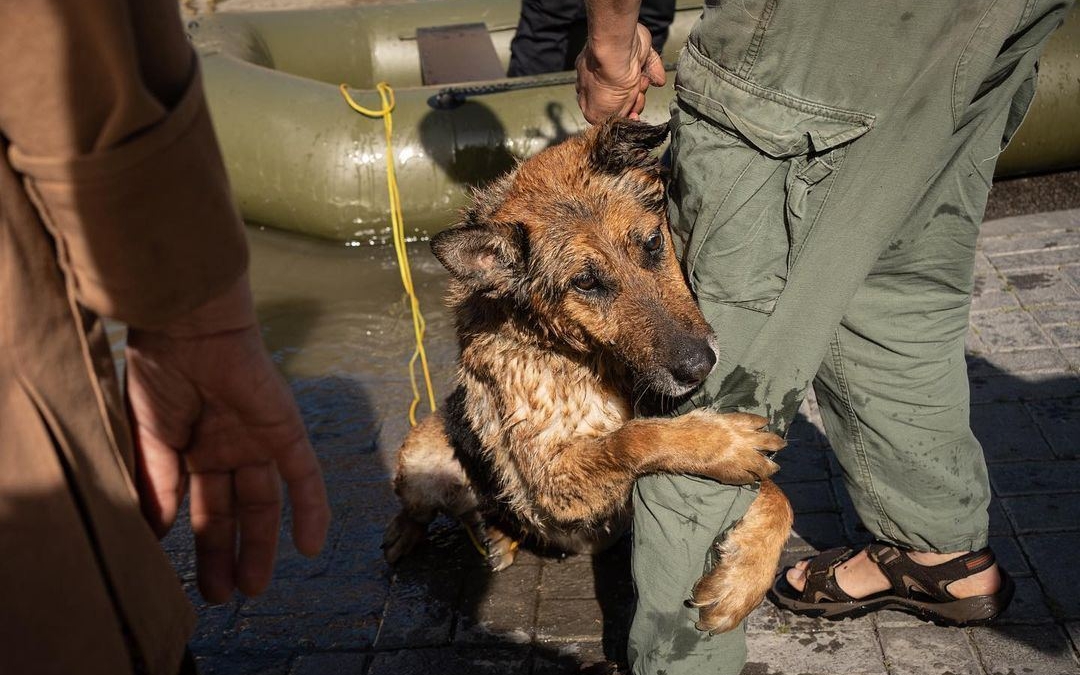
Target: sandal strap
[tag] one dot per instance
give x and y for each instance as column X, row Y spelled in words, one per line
column 908, row 576
column 821, row 577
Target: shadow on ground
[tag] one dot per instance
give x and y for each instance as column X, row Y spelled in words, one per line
column 442, row 611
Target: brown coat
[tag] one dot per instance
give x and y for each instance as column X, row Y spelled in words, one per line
column 113, row 202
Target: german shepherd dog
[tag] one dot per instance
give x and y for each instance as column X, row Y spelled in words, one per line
column 568, row 301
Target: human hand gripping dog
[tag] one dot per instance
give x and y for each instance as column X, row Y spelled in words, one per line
column 211, row 413
column 618, row 64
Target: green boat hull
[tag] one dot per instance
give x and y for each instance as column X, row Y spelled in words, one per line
column 300, row 159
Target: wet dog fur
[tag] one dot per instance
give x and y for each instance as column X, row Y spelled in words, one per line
column 569, row 305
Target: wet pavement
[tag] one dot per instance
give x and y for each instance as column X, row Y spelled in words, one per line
column 337, row 325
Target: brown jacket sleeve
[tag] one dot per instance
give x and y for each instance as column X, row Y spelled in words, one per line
column 102, row 107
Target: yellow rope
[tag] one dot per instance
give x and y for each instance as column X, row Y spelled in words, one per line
column 397, row 226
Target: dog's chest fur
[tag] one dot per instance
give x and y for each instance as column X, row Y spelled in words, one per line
column 524, row 404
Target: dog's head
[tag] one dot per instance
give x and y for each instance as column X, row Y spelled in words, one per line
column 576, row 240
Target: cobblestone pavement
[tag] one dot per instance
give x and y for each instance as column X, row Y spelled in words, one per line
column 442, row 612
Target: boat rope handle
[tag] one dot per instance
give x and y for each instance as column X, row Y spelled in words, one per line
column 397, row 227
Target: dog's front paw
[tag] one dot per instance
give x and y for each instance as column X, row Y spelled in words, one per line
column 724, row 599
column 401, row 536
column 734, row 453
column 748, row 559
column 501, row 548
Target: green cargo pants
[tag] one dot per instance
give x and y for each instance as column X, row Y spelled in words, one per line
column 831, row 162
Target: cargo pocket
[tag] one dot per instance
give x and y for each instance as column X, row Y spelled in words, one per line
column 752, row 169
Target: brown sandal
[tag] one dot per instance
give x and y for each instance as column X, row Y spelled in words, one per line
column 916, row 589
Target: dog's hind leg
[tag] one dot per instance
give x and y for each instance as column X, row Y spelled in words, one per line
column 429, row 479
column 748, row 560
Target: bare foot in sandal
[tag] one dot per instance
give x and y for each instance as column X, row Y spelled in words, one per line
column 860, row 576
column 958, row 589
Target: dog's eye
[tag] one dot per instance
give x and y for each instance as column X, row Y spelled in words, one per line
column 654, row 242
column 585, row 282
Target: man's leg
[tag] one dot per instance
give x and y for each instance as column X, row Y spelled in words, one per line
column 788, row 190
column 541, row 42
column 893, row 389
column 676, row 520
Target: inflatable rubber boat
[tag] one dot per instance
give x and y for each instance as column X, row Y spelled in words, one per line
column 300, row 159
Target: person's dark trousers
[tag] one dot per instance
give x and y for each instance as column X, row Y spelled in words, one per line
column 551, row 33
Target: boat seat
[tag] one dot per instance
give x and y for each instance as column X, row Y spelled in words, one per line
column 459, row 53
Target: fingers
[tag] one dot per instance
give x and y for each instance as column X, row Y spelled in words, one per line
column 214, row 525
column 307, row 493
column 258, row 508
column 159, row 480
column 616, row 84
column 654, row 69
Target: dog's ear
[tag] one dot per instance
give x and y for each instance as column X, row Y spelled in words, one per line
column 619, row 144
column 487, row 257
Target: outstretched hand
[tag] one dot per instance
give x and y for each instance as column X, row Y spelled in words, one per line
column 209, row 410
column 613, row 80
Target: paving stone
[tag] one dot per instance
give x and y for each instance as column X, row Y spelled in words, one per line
column 420, row 610
column 452, row 661
column 1059, row 419
column 1026, row 650
column 308, row 632
column 499, row 607
column 991, row 291
column 929, row 650
column 243, row 664
column 1021, row 361
column 1073, row 629
column 811, row 496
column 573, row 657
column 215, row 622
column 1003, row 331
column 561, row 581
column 1030, row 241
column 1024, row 225
column 1072, row 355
column 1038, row 287
column 767, row 618
column 973, row 344
column 1000, row 525
column 816, row 531
column 1028, row 605
column 1055, row 312
column 1072, row 272
column 1010, row 556
column 569, row 620
column 1007, row 432
column 1032, row 478
column 327, row 663
column 890, row 618
column 801, row 625
column 1025, row 261
column 1053, row 559
column 321, row 595
column 821, row 653
column 1043, row 513
column 1065, row 335
column 801, row 463
column 1024, row 387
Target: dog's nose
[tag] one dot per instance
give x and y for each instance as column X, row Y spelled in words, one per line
column 695, row 365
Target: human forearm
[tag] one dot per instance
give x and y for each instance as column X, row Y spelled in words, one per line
column 618, row 64
column 612, row 25
column 105, row 119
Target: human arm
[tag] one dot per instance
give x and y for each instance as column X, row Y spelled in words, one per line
column 103, row 117
column 618, row 64
column 211, row 413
